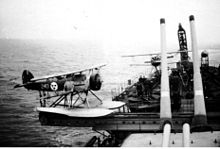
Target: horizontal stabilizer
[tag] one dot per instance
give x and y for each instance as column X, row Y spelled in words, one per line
column 18, row 85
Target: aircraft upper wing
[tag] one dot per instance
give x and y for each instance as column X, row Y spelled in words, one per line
column 140, row 65
column 151, row 54
column 171, row 52
column 68, row 73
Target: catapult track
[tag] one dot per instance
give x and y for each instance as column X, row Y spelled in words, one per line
column 135, row 122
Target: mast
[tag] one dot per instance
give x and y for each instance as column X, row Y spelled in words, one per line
column 182, row 43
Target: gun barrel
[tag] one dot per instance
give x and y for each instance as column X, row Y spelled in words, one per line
column 186, row 135
column 166, row 135
column 199, row 103
column 165, row 104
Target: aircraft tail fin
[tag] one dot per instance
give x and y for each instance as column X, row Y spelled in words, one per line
column 26, row 76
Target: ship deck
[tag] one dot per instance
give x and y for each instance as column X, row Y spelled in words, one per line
column 155, row 139
column 130, row 122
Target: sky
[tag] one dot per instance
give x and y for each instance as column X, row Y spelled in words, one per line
column 111, row 22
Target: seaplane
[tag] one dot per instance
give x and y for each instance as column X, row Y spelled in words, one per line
column 156, row 57
column 70, row 91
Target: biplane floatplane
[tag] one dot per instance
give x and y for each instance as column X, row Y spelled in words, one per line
column 183, row 51
column 70, row 91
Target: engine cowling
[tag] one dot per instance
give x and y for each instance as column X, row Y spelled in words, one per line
column 95, row 82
